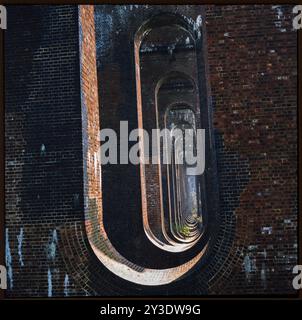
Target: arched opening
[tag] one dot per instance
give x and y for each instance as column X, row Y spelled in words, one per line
column 180, row 193
column 177, row 250
column 168, row 98
column 182, row 200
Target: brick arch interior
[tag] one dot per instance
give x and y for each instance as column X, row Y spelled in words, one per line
column 98, row 243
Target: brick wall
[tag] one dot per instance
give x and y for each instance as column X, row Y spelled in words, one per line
column 253, row 74
column 44, row 174
column 53, row 191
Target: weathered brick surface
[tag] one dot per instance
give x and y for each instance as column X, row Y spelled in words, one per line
column 252, row 54
column 55, row 105
column 44, row 175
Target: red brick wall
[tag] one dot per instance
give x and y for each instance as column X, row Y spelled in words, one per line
column 252, row 54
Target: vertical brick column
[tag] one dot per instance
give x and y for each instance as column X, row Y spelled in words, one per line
column 91, row 121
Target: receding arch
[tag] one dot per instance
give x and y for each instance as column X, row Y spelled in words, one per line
column 175, row 76
column 183, row 198
column 183, row 234
column 162, row 20
column 105, row 250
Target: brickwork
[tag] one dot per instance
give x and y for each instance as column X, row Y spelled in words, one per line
column 44, row 174
column 60, row 91
column 253, row 74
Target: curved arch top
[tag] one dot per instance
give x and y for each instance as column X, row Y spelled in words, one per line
column 166, row 19
column 174, row 74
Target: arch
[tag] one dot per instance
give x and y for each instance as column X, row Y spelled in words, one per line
column 185, row 211
column 161, row 20
column 175, row 74
column 168, row 182
column 102, row 246
column 155, row 226
column 119, row 264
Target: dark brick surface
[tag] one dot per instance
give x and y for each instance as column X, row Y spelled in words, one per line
column 44, row 174
column 253, row 74
column 51, row 119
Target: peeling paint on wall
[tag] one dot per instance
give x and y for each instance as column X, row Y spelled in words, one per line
column 280, row 17
column 278, row 11
column 52, row 248
column 263, row 274
column 266, row 230
column 198, row 21
column 20, row 242
column 66, row 286
column 8, row 261
column 249, row 266
column 42, row 150
column 49, row 282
